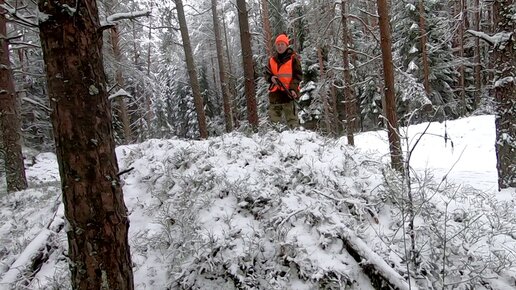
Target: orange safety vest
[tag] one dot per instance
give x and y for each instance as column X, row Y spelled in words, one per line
column 283, row 72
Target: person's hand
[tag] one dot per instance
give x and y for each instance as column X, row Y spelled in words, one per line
column 275, row 80
column 293, row 94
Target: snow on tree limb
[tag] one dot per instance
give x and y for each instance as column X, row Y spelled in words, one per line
column 497, row 40
column 120, row 93
column 112, row 19
column 504, row 82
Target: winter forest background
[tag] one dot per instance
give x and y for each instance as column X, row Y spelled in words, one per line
column 192, row 70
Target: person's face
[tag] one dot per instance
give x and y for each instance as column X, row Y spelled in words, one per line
column 281, row 47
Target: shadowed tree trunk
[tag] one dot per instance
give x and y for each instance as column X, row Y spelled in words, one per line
column 478, row 79
column 390, row 98
column 505, row 93
column 267, row 31
column 350, row 99
column 324, row 95
column 226, row 95
column 247, row 58
column 10, row 124
column 462, row 83
column 424, row 53
column 192, row 73
column 97, row 229
column 231, row 77
column 149, row 115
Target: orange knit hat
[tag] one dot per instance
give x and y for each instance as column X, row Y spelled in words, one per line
column 282, row 38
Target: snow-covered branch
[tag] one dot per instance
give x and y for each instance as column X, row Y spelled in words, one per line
column 113, row 19
column 497, row 40
column 120, row 93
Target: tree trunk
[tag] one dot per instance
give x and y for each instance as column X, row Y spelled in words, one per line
column 10, row 124
column 505, row 95
column 148, row 102
column 478, row 78
column 231, row 79
column 119, row 78
column 97, row 229
column 226, row 95
column 323, row 95
column 192, row 73
column 390, row 98
column 267, row 31
column 351, row 113
column 247, row 58
column 463, row 104
column 424, row 52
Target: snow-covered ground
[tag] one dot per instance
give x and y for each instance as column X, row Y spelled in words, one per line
column 463, row 150
column 273, row 211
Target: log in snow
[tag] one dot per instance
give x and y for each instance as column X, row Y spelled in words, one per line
column 35, row 254
column 373, row 265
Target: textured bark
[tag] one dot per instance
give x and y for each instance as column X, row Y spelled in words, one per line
column 390, row 98
column 10, row 124
column 81, row 118
column 422, row 42
column 505, row 94
column 267, row 31
column 119, row 78
column 192, row 73
column 247, row 58
column 226, row 95
column 351, row 113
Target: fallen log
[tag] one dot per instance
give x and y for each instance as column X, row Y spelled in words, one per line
column 35, row 254
column 382, row 276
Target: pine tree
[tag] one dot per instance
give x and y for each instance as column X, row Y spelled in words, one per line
column 11, row 138
column 81, row 117
column 407, row 48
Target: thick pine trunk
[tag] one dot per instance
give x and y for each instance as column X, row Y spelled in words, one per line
column 390, row 98
column 10, row 124
column 226, row 95
column 505, row 95
column 81, row 117
column 247, row 58
column 192, row 72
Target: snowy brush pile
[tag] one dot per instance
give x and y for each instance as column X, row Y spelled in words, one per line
column 263, row 212
column 279, row 211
